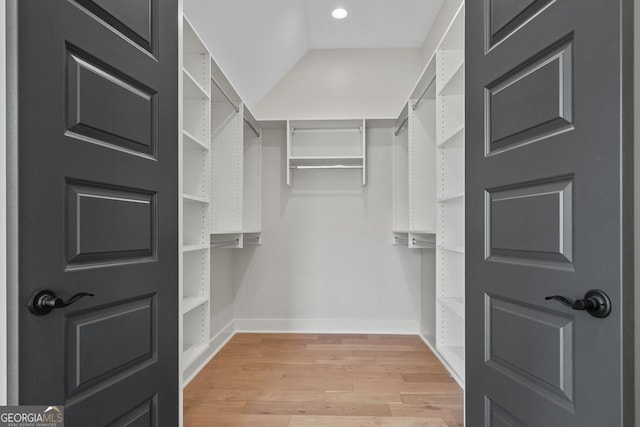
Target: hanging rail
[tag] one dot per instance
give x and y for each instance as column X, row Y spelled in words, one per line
column 424, row 92
column 225, row 95
column 252, row 127
column 234, row 242
column 327, row 130
column 400, row 240
column 404, row 122
column 325, row 167
column 415, row 241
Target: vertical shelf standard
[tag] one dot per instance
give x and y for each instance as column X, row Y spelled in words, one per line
column 450, row 195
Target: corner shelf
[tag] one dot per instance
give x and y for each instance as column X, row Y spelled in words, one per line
column 451, row 248
column 193, row 143
column 195, row 199
column 326, row 144
column 192, row 89
column 191, row 303
column 195, row 248
column 456, row 305
column 191, row 354
column 454, row 140
column 451, row 197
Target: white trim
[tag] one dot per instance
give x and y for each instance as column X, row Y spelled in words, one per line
column 180, row 140
column 3, row 208
column 329, row 326
column 11, row 236
column 215, row 345
column 443, row 361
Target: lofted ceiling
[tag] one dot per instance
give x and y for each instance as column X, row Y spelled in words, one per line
column 256, row 42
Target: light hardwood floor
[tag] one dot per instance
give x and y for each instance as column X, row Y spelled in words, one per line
column 301, row 380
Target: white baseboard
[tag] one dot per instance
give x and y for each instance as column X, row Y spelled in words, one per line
column 433, row 349
column 215, row 345
column 328, row 326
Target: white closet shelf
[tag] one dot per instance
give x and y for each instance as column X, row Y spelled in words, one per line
column 451, row 197
column 455, row 139
column 193, row 143
column 191, row 87
column 195, row 199
column 454, row 85
column 452, row 248
column 340, row 125
column 195, row 248
column 191, row 303
column 191, row 353
column 456, row 305
column 326, row 162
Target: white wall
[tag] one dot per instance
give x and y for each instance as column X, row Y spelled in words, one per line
column 327, row 263
column 255, row 64
column 438, row 28
column 335, row 83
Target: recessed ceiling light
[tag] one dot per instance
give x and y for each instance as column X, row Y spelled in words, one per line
column 339, row 13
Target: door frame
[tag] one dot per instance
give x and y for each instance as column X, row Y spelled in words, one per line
column 9, row 202
column 636, row 199
column 3, row 206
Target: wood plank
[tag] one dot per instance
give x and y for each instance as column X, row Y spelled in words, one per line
column 329, row 380
column 319, row 408
column 334, row 421
column 235, row 420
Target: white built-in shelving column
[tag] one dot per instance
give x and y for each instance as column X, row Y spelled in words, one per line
column 450, row 190
column 226, row 163
column 400, row 179
column 421, row 158
column 251, row 181
column 194, row 184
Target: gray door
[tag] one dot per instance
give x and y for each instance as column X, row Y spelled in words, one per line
column 97, row 95
column 548, row 212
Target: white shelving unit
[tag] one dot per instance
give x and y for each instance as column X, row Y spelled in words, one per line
column 326, row 144
column 251, row 180
column 414, row 180
column 450, row 195
column 236, row 167
column 194, row 159
column 220, row 157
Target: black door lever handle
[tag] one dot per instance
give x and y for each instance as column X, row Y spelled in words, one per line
column 595, row 302
column 43, row 302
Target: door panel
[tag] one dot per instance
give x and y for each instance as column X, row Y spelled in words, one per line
column 98, row 208
column 547, row 127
